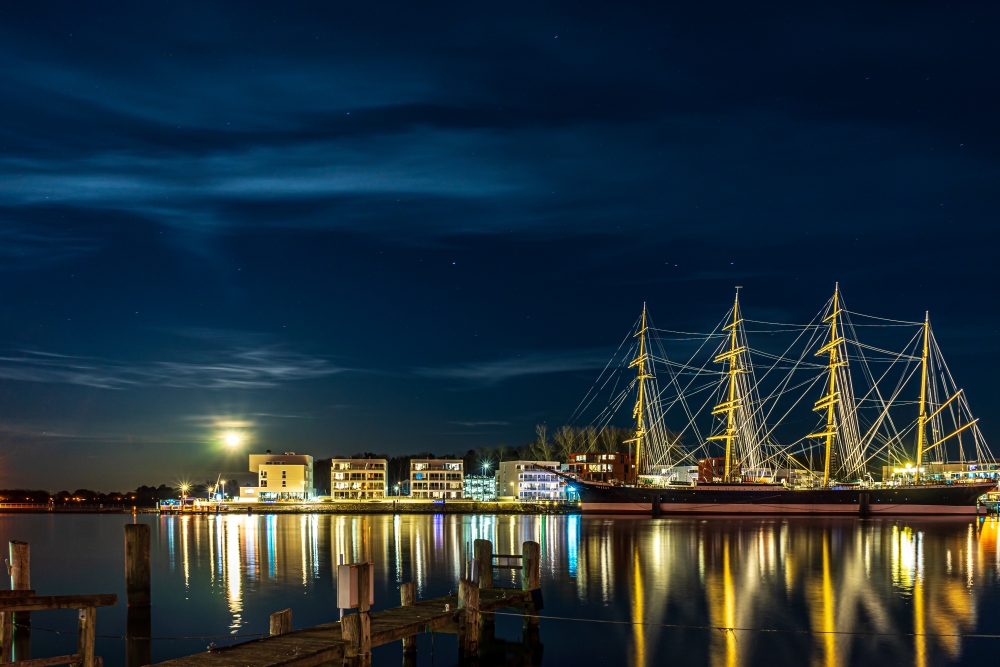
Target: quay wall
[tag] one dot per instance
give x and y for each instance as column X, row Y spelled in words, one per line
column 329, row 507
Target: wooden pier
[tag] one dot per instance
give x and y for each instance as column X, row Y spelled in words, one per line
column 469, row 615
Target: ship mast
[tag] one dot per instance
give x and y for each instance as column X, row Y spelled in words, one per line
column 832, row 396
column 922, row 419
column 639, row 412
column 730, row 406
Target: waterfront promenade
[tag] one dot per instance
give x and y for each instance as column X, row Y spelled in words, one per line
column 400, row 506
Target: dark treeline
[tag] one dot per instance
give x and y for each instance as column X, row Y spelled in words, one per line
column 144, row 495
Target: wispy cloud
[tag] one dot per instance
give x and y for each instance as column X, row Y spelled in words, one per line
column 23, row 246
column 493, row 372
column 241, row 369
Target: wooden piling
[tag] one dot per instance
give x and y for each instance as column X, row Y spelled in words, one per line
column 482, row 551
column 356, row 629
column 407, row 598
column 281, row 622
column 531, row 566
column 19, row 568
column 531, row 576
column 85, row 636
column 656, row 506
column 468, row 620
column 137, row 564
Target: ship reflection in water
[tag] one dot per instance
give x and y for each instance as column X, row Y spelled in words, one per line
column 827, row 592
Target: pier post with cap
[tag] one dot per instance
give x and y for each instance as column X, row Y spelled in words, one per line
column 137, row 564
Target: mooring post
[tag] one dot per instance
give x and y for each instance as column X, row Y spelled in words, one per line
column 281, row 622
column 656, row 506
column 19, row 568
column 864, row 505
column 85, row 636
column 468, row 620
column 137, row 564
column 482, row 551
column 407, row 598
column 356, row 629
column 531, row 575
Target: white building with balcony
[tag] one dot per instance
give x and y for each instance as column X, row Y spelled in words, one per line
column 358, row 479
column 438, row 479
column 529, row 481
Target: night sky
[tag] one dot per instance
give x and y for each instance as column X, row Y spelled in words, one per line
column 336, row 227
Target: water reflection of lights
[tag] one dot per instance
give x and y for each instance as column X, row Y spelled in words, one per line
column 572, row 543
column 832, row 579
column 234, row 571
column 185, row 551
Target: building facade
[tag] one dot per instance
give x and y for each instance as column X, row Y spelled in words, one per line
column 529, row 481
column 358, row 479
column 611, row 467
column 287, row 476
column 480, row 487
column 437, row 479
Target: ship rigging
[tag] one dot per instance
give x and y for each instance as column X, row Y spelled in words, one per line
column 719, row 396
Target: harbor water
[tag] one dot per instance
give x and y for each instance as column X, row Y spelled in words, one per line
column 622, row 591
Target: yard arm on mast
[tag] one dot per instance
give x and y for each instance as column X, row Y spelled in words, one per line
column 829, row 400
column 732, row 404
column 638, row 412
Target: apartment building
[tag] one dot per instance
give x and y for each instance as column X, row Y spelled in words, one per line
column 287, row 476
column 603, row 466
column 529, row 480
column 437, row 479
column 358, row 479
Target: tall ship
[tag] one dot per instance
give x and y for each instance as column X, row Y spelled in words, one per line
column 812, row 420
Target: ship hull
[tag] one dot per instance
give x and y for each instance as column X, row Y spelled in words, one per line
column 943, row 500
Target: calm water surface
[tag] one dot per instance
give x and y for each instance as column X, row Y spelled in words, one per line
column 845, row 592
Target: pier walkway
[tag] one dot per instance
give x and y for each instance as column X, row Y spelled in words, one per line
column 467, row 615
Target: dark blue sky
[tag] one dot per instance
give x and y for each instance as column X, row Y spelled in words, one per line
column 405, row 226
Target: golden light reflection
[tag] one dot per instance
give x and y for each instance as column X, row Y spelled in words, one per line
column 918, row 583
column 638, row 612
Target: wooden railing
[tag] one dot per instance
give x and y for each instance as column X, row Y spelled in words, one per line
column 12, row 602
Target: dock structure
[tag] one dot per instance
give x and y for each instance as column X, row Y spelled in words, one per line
column 469, row 615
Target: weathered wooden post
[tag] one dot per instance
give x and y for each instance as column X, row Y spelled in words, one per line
column 482, row 551
column 531, row 575
column 281, row 622
column 85, row 636
column 137, row 564
column 407, row 598
column 468, row 620
column 356, row 629
column 19, row 568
